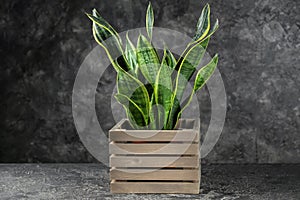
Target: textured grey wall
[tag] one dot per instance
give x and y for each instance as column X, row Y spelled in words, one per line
column 42, row 44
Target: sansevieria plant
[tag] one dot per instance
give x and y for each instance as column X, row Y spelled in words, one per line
column 151, row 88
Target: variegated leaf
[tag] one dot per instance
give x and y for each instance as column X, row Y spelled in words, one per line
column 163, row 87
column 134, row 112
column 149, row 20
column 130, row 54
column 110, row 41
column 203, row 24
column 185, row 71
column 202, row 77
column 134, row 90
column 148, row 59
column 205, row 73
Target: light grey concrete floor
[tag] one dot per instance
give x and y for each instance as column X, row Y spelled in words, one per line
column 91, row 181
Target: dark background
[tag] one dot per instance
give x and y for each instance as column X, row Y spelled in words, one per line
column 42, row 44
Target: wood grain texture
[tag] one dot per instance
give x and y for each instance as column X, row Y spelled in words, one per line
column 119, row 135
column 155, row 187
column 137, row 151
column 154, row 161
column 162, row 174
column 152, row 148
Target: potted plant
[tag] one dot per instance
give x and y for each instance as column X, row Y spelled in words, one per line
column 154, row 150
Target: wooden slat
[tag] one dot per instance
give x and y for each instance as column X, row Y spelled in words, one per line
column 153, row 161
column 119, row 135
column 119, row 124
column 155, row 187
column 158, row 149
column 162, row 174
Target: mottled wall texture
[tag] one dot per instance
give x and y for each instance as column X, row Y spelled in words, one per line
column 42, row 44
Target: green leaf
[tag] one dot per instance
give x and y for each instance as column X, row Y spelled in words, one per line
column 134, row 90
column 163, row 87
column 186, row 69
column 149, row 20
column 203, row 24
column 109, row 40
column 188, row 66
column 152, row 115
column 202, row 77
column 210, row 33
column 100, row 20
column 130, row 54
column 169, row 59
column 148, row 59
column 214, row 29
column 173, row 112
column 205, row 73
column 133, row 111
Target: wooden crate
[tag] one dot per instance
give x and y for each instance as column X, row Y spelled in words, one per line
column 150, row 161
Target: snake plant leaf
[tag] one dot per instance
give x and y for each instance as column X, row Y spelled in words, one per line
column 148, row 59
column 130, row 54
column 210, row 33
column 169, row 59
column 202, row 77
column 100, row 19
column 185, row 71
column 104, row 32
column 163, row 87
column 202, row 45
column 205, row 73
column 133, row 111
column 214, row 29
column 133, row 89
column 132, row 121
column 152, row 114
column 149, row 20
column 188, row 66
column 173, row 112
column 203, row 24
column 109, row 40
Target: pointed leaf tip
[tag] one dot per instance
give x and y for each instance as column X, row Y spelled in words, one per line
column 149, row 20
column 203, row 24
column 95, row 12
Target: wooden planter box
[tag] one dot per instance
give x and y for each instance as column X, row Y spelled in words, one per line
column 150, row 161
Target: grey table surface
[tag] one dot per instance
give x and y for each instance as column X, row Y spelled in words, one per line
column 91, row 181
